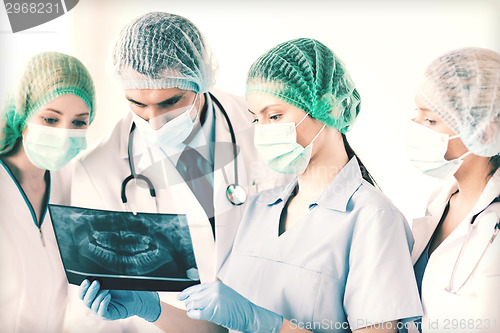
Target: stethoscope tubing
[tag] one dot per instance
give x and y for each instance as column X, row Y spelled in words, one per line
column 496, row 230
column 233, row 136
column 152, row 190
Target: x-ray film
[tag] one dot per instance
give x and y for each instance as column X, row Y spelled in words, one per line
column 125, row 251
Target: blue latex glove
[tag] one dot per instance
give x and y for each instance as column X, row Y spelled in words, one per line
column 223, row 306
column 120, row 304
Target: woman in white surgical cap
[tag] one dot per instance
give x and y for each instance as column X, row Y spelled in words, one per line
column 456, row 137
column 42, row 127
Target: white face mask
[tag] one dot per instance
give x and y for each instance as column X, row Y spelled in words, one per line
column 426, row 148
column 278, row 147
column 170, row 134
column 52, row 148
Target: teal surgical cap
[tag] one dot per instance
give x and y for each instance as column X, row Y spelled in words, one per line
column 46, row 76
column 463, row 88
column 308, row 75
column 159, row 51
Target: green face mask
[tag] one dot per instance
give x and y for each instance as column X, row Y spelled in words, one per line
column 278, row 147
column 52, row 148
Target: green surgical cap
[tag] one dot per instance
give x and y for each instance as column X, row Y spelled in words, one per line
column 46, row 76
column 160, row 51
column 308, row 75
column 463, row 88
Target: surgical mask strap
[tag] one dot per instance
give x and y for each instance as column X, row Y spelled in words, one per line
column 193, row 107
column 300, row 122
column 321, row 130
column 189, row 112
column 461, row 158
column 464, row 155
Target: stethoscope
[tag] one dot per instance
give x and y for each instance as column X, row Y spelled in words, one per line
column 235, row 193
column 496, row 230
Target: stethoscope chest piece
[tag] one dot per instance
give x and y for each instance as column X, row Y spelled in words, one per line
column 236, row 194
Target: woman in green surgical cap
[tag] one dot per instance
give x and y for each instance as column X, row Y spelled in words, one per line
column 329, row 252
column 326, row 253
column 43, row 125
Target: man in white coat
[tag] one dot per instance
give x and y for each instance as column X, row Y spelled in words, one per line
column 167, row 70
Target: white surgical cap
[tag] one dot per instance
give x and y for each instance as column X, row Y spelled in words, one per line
column 159, row 51
column 463, row 88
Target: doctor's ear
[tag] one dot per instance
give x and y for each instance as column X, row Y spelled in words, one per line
column 491, row 132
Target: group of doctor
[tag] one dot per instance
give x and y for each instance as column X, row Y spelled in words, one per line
column 316, row 247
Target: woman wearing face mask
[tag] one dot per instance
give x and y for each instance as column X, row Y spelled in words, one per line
column 43, row 126
column 328, row 252
column 457, row 133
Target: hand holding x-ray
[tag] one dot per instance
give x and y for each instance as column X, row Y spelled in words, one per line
column 120, row 304
column 218, row 303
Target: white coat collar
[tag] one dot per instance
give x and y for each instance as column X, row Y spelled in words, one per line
column 424, row 227
column 490, row 192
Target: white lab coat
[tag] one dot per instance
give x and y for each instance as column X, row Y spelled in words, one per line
column 99, row 173
column 476, row 308
column 33, row 287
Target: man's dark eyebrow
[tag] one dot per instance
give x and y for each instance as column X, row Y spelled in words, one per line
column 172, row 100
column 133, row 101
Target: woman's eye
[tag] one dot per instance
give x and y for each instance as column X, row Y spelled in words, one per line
column 255, row 121
column 275, row 117
column 430, row 121
column 50, row 121
column 79, row 123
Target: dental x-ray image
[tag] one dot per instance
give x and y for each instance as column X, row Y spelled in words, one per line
column 125, row 251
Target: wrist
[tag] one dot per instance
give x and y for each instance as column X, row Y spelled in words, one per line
column 152, row 307
column 278, row 323
column 268, row 321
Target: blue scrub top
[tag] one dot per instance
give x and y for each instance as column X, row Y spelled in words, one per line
column 344, row 266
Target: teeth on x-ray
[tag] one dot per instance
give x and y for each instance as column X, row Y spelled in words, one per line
column 131, row 258
column 122, row 242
